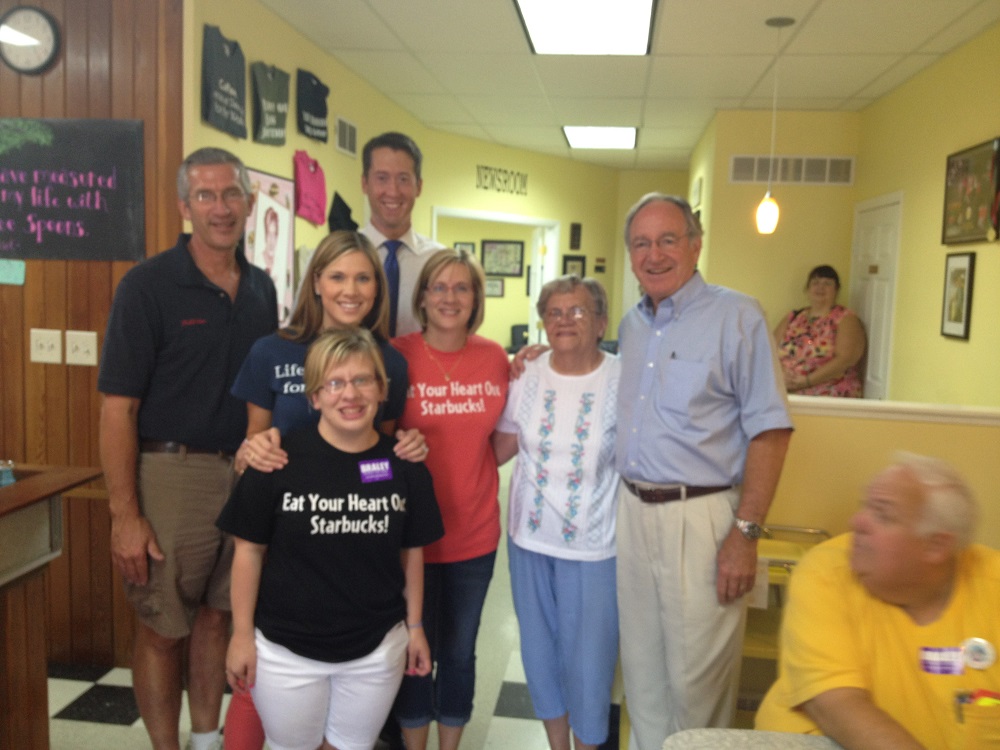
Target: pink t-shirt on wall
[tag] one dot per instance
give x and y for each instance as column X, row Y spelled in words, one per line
column 310, row 189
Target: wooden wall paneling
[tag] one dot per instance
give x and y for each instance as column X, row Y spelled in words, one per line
column 122, row 59
column 12, row 358
column 169, row 136
column 104, row 628
column 22, row 622
column 82, row 620
column 59, row 600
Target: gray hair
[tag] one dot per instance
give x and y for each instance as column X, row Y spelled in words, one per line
column 949, row 505
column 569, row 284
column 206, row 156
column 693, row 225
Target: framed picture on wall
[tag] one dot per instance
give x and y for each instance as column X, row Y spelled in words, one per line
column 971, row 204
column 503, row 257
column 469, row 247
column 956, row 306
column 269, row 237
column 575, row 264
column 494, row 287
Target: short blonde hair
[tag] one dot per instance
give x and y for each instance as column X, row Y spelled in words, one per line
column 435, row 265
column 335, row 347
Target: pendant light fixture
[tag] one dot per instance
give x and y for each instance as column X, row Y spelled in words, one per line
column 767, row 211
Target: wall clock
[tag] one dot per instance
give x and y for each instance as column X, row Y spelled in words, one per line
column 29, row 39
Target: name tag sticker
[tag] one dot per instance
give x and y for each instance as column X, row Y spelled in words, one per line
column 942, row 660
column 375, row 470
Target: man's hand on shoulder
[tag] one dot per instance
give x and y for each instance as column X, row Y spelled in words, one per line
column 528, row 353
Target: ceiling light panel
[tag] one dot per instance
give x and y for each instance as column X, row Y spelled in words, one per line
column 587, row 27
column 592, row 137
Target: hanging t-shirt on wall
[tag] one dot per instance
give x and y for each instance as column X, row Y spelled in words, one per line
column 310, row 188
column 312, row 94
column 223, row 83
column 270, row 103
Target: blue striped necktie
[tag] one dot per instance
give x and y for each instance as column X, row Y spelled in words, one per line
column 392, row 277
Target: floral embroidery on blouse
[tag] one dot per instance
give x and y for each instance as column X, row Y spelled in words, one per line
column 544, row 453
column 575, row 478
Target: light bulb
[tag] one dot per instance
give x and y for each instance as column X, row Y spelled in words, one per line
column 767, row 215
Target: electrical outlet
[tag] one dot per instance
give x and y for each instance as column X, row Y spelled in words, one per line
column 46, row 345
column 81, row 347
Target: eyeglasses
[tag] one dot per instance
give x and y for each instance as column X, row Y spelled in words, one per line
column 360, row 383
column 230, row 196
column 664, row 242
column 440, row 290
column 554, row 314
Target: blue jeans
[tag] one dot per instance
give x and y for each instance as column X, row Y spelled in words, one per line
column 454, row 594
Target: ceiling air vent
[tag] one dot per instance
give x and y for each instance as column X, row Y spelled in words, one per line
column 806, row 170
column 347, row 137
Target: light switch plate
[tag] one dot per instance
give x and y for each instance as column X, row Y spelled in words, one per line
column 46, row 345
column 81, row 348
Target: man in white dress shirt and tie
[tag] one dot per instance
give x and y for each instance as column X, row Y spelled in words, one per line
column 392, row 182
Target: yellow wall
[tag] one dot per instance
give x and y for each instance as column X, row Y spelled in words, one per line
column 559, row 189
column 816, row 220
column 832, row 458
column 513, row 307
column 906, row 138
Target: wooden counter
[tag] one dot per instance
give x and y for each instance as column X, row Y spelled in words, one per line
column 30, row 536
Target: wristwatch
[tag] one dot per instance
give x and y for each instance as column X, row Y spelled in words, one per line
column 749, row 529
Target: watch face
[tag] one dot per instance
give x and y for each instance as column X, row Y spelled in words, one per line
column 29, row 39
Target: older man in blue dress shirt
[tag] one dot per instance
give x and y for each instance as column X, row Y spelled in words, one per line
column 702, row 434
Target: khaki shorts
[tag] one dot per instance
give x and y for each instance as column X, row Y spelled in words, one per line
column 181, row 496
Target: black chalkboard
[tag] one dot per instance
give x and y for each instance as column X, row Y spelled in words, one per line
column 71, row 189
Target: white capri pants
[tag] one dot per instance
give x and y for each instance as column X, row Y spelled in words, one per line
column 301, row 701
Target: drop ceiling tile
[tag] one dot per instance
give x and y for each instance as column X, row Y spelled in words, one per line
column 337, row 25
column 592, row 75
column 863, row 26
column 510, row 110
column 465, row 73
column 598, row 112
column 688, row 76
column 391, row 72
column 436, row 108
column 454, row 25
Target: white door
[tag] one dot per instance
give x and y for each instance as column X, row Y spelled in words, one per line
column 873, row 283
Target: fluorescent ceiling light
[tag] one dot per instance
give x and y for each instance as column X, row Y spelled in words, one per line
column 9, row 35
column 590, row 137
column 587, row 27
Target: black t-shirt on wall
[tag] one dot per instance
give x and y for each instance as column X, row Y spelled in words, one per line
column 223, row 83
column 311, row 98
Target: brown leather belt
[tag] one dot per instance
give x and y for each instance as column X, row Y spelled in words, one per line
column 668, row 495
column 169, row 446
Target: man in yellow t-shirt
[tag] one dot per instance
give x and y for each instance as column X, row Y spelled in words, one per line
column 885, row 626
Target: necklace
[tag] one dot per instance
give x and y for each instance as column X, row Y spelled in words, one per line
column 446, row 373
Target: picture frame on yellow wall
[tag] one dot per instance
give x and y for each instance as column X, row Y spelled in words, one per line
column 503, row 258
column 971, row 205
column 575, row 264
column 956, row 306
column 469, row 247
column 494, row 288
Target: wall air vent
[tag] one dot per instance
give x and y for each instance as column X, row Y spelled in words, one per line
column 805, row 170
column 347, row 137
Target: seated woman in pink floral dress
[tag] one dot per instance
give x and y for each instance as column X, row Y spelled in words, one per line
column 821, row 345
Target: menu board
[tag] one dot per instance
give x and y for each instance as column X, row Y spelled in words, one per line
column 71, row 189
